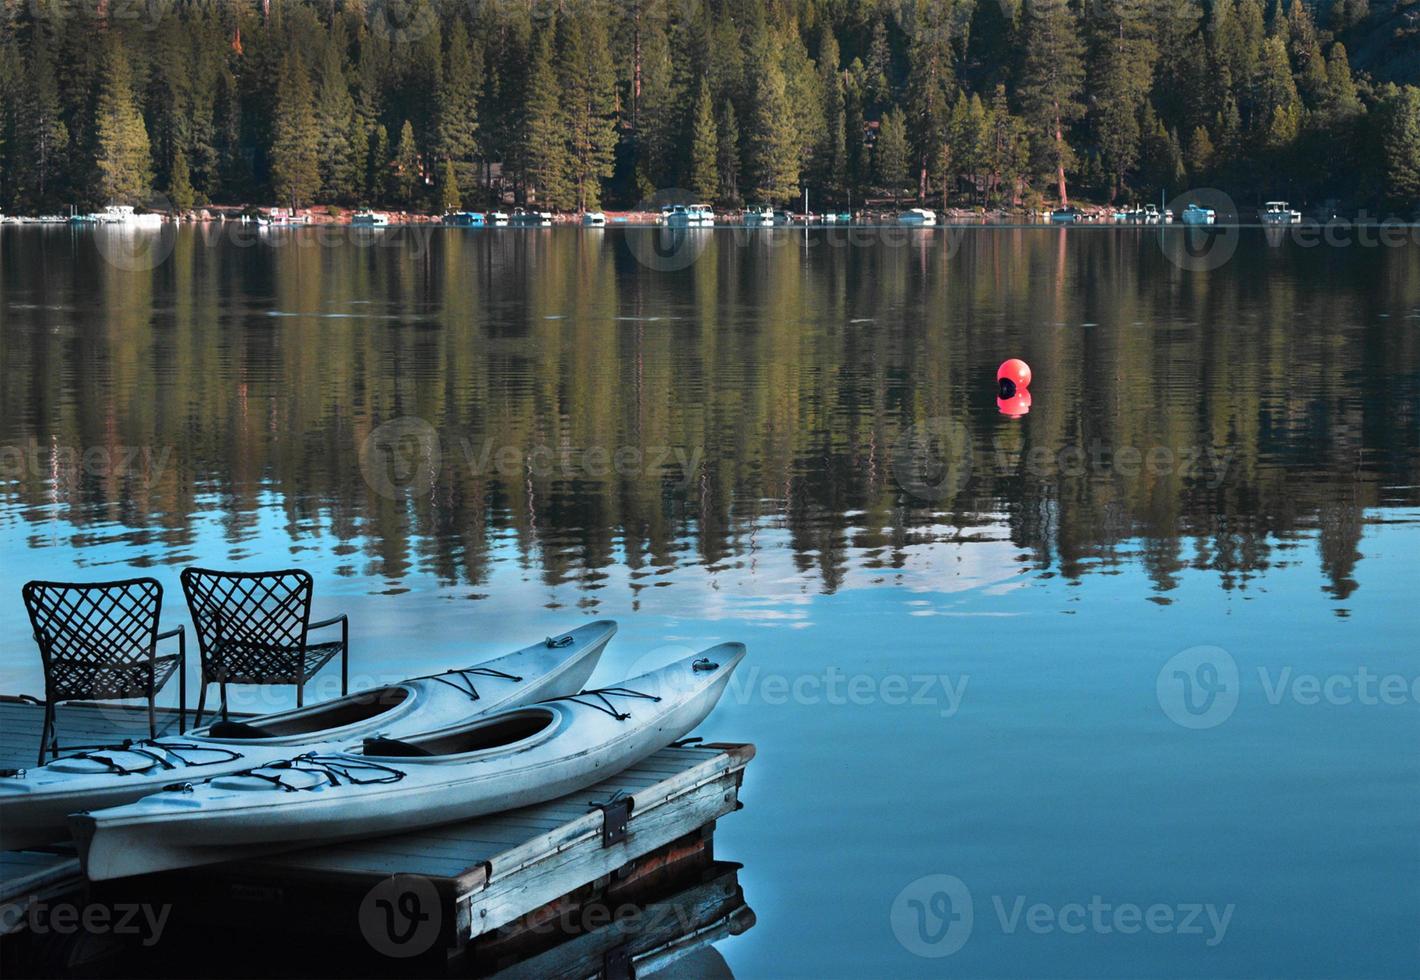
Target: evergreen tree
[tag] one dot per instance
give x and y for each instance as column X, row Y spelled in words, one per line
column 705, row 148
column 930, row 84
column 295, row 151
column 1398, row 125
column 1052, row 77
column 543, row 148
column 890, row 155
column 125, row 168
column 449, row 197
column 180, row 191
column 772, row 153
column 1199, row 158
column 458, row 105
column 407, row 176
column 42, row 136
column 728, row 157
column 589, row 104
column 335, row 118
column 378, row 171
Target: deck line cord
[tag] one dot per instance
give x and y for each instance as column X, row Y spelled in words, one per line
column 466, row 676
column 149, row 750
column 332, row 767
column 603, row 697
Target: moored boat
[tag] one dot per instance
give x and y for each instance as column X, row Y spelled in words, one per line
column 758, row 216
column 369, row 219
column 385, row 785
column 594, row 219
column 1279, row 213
column 497, row 218
column 1066, row 216
column 524, row 218
column 1195, row 214
column 917, row 216
column 35, row 802
column 690, row 216
column 464, row 219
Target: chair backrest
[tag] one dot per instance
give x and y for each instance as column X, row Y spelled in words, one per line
column 95, row 623
column 254, row 609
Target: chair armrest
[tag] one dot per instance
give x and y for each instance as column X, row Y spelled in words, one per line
column 175, row 631
column 342, row 618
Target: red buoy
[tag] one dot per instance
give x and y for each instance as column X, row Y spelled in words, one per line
column 1015, row 371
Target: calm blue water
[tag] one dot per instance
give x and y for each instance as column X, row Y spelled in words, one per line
column 1074, row 715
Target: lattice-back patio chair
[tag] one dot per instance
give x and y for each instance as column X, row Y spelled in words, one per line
column 252, row 628
column 98, row 641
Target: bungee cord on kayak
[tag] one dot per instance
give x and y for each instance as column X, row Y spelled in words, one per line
column 332, row 767
column 603, row 695
column 466, row 676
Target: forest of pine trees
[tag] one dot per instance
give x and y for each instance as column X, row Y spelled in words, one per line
column 579, row 104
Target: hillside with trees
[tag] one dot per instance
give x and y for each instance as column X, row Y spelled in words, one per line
column 579, row 104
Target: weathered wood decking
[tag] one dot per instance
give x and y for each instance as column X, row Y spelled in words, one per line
column 476, row 879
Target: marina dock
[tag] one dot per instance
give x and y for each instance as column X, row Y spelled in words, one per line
column 616, row 877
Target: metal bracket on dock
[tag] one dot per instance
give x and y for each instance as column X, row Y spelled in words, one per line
column 616, row 963
column 615, row 814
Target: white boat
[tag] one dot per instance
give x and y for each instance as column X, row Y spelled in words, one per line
column 917, row 216
column 34, row 803
column 1066, row 216
column 369, row 219
column 690, row 216
column 1196, row 215
column 385, row 785
column 1279, row 213
column 837, row 217
column 594, row 219
column 124, row 214
column 498, row 218
column 464, row 219
column 758, row 216
column 530, row 219
column 782, row 217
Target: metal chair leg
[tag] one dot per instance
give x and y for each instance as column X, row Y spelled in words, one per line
column 152, row 715
column 44, row 734
column 201, row 701
column 344, row 657
column 223, row 685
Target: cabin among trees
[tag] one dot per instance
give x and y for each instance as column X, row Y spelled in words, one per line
column 581, row 104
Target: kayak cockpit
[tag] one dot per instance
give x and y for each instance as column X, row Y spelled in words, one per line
column 500, row 732
column 340, row 713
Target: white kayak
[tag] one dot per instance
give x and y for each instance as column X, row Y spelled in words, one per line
column 35, row 803
column 381, row 786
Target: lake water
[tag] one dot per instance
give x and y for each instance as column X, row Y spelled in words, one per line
column 1125, row 686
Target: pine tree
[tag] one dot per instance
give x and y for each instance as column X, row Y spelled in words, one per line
column 772, row 156
column 43, row 137
column 378, row 172
column 890, row 155
column 542, row 140
column 180, row 191
column 727, row 163
column 1199, row 158
column 1052, row 78
column 295, row 168
column 1398, row 125
column 449, row 198
column 930, row 83
column 335, row 116
column 705, row 148
column 458, row 105
column 588, row 84
column 125, row 166
column 407, row 174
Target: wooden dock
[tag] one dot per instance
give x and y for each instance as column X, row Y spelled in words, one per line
column 494, row 892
